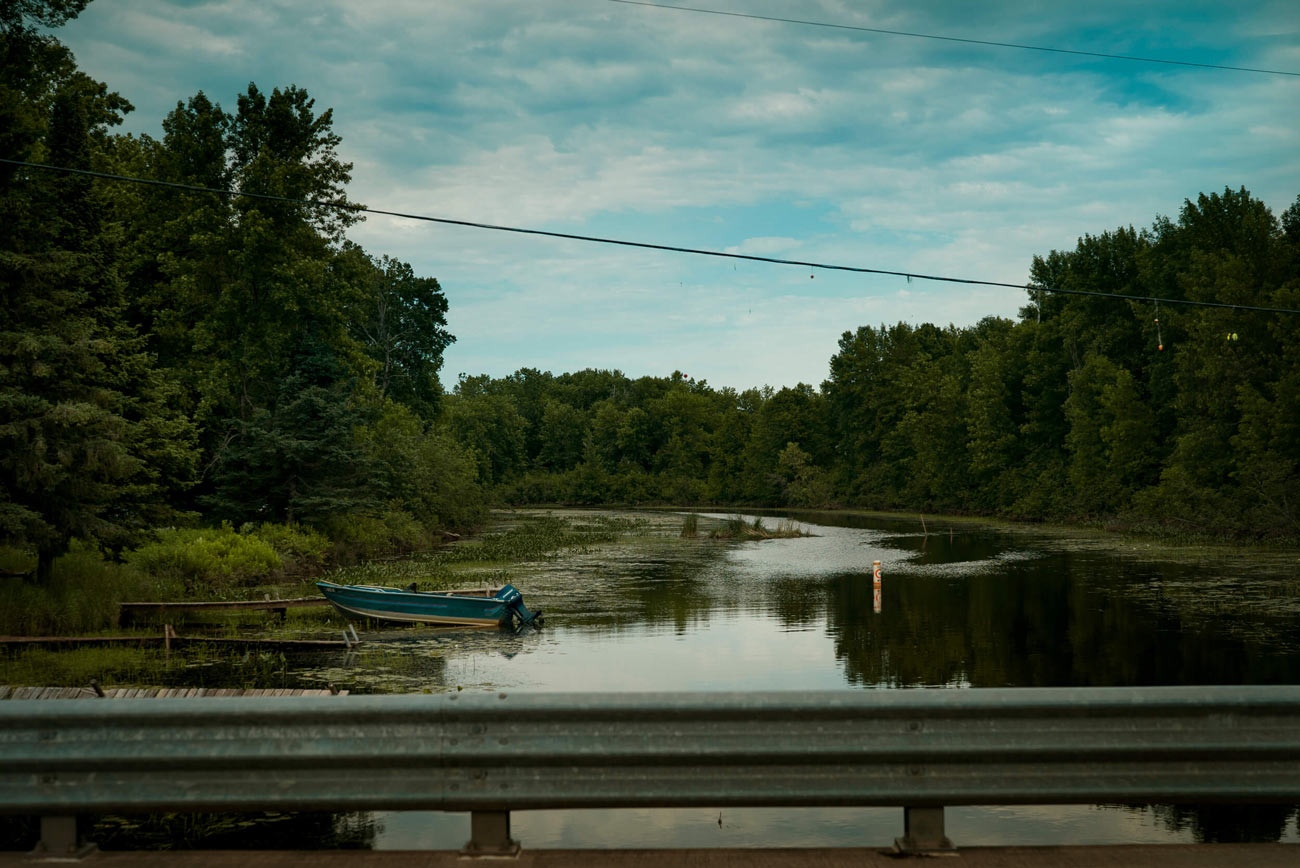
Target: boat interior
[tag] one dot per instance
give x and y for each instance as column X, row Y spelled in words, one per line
column 458, row 592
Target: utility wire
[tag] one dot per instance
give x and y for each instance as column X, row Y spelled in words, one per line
column 949, row 38
column 596, row 239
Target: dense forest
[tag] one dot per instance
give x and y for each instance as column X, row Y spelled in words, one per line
column 1084, row 408
column 173, row 358
column 170, row 357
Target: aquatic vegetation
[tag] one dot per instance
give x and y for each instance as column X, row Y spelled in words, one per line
column 251, row 830
column 194, row 665
column 528, row 538
column 735, row 527
column 691, row 525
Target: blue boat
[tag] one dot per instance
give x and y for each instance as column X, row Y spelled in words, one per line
column 479, row 607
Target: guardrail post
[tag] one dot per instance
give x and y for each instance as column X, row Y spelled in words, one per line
column 59, row 840
column 489, row 835
column 923, row 832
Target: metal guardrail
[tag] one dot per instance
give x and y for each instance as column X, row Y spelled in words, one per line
column 493, row 753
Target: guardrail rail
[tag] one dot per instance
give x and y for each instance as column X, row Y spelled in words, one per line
column 490, row 754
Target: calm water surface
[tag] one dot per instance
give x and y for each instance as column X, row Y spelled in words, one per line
column 970, row 606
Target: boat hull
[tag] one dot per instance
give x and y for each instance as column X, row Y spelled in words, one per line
column 504, row 607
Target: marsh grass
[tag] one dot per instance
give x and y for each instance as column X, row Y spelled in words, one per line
column 533, row 538
column 735, row 527
column 81, row 597
column 252, row 830
column 690, row 526
column 196, row 665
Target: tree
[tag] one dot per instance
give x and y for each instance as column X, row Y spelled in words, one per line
column 403, row 327
column 492, row 429
column 87, row 439
column 297, row 459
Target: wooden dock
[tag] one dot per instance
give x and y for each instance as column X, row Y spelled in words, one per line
column 169, row 639
column 280, row 607
column 8, row 692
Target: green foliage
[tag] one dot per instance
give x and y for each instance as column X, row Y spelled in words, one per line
column 805, row 484
column 532, row 538
column 1073, row 411
column 423, row 469
column 301, row 550
column 81, row 595
column 208, row 561
column 167, row 357
column 360, row 536
column 164, row 353
column 403, row 328
column 87, row 435
column 298, row 460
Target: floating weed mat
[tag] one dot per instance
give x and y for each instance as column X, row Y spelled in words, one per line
column 254, row 830
column 250, row 830
column 196, row 665
column 528, row 538
column 1248, row 608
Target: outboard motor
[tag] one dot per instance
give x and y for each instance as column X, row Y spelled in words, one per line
column 520, row 615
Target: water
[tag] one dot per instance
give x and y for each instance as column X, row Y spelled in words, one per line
column 967, row 606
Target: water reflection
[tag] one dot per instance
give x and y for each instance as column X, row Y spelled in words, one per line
column 970, row 608
column 966, row 607
column 635, row 828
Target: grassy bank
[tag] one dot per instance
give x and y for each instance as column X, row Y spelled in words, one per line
column 215, row 563
column 83, row 597
column 266, row 560
column 524, row 537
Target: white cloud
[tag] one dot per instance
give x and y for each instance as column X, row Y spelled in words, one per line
column 713, row 132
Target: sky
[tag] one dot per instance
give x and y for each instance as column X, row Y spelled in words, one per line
column 793, row 141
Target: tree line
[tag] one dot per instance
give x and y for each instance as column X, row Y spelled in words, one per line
column 172, row 357
column 168, row 357
column 1084, row 407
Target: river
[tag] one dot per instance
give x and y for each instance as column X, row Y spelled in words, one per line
column 966, row 605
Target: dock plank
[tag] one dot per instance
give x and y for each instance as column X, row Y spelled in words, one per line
column 216, row 605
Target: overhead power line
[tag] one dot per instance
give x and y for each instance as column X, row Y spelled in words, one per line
column 623, row 242
column 987, row 42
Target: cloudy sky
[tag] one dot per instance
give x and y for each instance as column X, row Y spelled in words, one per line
column 602, row 118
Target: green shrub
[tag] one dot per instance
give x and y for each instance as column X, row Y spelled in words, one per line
column 534, row 487
column 301, row 549
column 82, row 596
column 360, row 537
column 207, row 560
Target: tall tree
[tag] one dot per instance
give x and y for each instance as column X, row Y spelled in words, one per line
column 86, row 433
column 402, row 323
